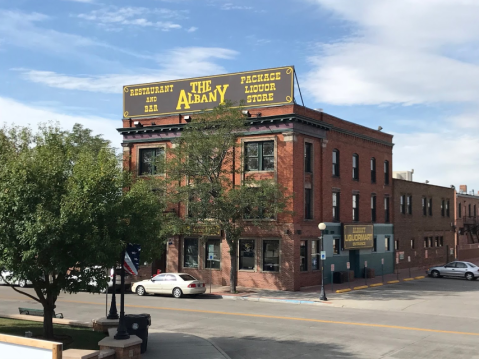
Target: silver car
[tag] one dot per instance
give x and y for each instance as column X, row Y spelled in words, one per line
column 455, row 269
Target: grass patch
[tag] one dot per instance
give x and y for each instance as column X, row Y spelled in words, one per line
column 81, row 338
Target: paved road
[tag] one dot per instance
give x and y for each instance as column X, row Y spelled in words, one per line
column 442, row 325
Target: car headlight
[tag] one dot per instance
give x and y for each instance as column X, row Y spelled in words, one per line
column 135, row 326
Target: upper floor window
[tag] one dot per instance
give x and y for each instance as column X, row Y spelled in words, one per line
column 475, row 213
column 373, row 208
column 308, row 213
column 402, row 204
column 409, row 204
column 459, row 210
column 355, row 207
column 335, row 163
column 424, row 206
column 355, row 166
column 386, row 172
column 259, row 156
column 336, row 196
column 308, row 149
column 150, row 160
column 429, row 206
column 470, row 214
column 443, row 208
column 386, row 209
column 373, row 170
column 447, row 208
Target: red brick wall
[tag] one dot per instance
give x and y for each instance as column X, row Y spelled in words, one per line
column 289, row 172
column 417, row 226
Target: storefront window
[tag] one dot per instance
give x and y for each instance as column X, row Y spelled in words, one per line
column 315, row 255
column 271, row 256
column 303, row 255
column 190, row 258
column 247, row 255
column 212, row 254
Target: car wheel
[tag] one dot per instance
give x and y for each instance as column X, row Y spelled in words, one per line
column 177, row 293
column 21, row 283
column 140, row 290
column 469, row 276
column 435, row 274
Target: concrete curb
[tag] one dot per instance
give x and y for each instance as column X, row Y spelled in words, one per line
column 343, row 290
column 31, row 318
column 376, row 284
column 361, row 287
column 274, row 300
column 393, row 281
column 420, row 277
column 407, row 279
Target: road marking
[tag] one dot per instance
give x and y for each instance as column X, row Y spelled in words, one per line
column 420, row 277
column 376, row 285
column 393, row 281
column 286, row 318
column 408, row 279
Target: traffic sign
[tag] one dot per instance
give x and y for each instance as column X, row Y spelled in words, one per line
column 347, row 265
column 366, row 264
column 323, row 255
column 332, row 267
column 211, row 257
column 382, row 260
column 409, row 258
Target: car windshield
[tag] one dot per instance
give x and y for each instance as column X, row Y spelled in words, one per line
column 186, row 277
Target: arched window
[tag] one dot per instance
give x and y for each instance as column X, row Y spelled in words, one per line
column 356, row 166
column 336, row 162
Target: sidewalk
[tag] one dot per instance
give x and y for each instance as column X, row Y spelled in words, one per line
column 310, row 295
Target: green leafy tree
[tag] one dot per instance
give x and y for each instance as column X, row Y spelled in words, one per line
column 67, row 210
column 203, row 169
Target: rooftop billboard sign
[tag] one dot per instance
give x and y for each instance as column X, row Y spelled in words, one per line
column 256, row 88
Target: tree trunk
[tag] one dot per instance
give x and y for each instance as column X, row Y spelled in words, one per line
column 47, row 321
column 234, row 267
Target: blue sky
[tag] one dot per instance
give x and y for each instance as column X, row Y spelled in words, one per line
column 409, row 66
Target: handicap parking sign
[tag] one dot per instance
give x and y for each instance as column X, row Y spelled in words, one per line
column 323, row 255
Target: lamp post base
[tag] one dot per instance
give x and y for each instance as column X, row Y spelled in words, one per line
column 322, row 295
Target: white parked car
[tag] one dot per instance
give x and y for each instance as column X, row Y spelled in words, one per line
column 455, row 269
column 110, row 272
column 12, row 280
column 176, row 284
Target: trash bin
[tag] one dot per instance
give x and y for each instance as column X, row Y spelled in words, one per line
column 137, row 324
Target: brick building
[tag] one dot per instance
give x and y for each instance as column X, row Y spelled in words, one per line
column 423, row 224
column 467, row 223
column 339, row 172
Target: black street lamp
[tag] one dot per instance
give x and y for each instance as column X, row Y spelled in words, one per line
column 322, row 295
column 121, row 332
column 113, row 314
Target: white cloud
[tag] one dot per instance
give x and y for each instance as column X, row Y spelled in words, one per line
column 230, row 6
column 16, row 113
column 113, row 17
column 402, row 51
column 185, row 62
column 21, row 29
column 441, row 158
column 192, row 29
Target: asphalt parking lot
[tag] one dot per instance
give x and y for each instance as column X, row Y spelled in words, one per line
column 436, row 296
